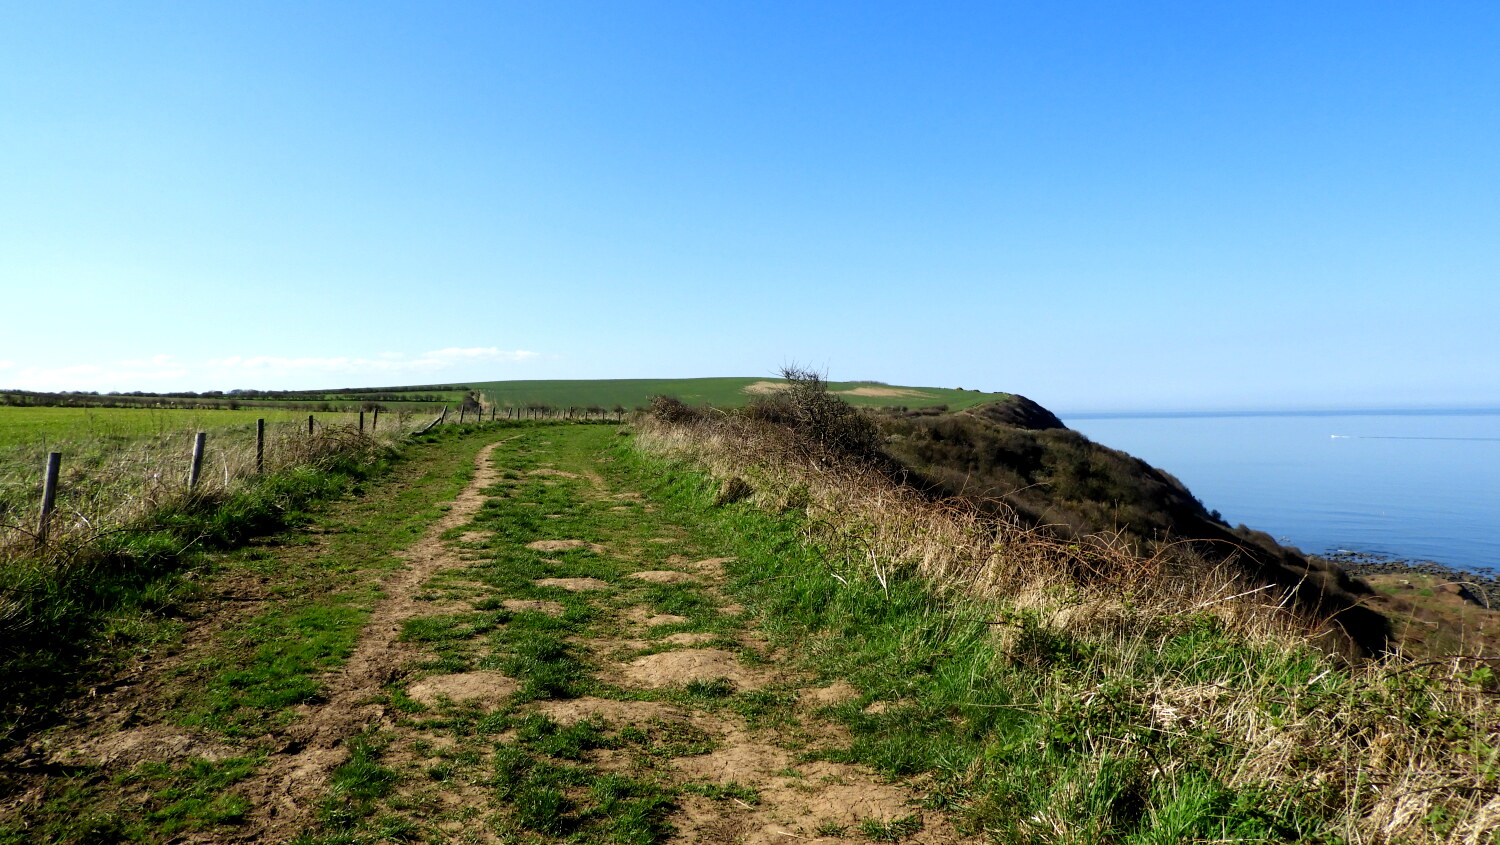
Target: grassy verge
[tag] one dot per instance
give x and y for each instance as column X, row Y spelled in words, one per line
column 301, row 600
column 67, row 613
column 1059, row 711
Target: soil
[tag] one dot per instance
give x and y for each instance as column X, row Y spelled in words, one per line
column 289, row 788
column 792, row 797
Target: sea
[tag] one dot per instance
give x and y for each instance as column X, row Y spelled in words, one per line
column 1405, row 485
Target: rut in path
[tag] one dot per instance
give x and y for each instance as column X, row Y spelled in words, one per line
column 587, row 679
column 287, row 791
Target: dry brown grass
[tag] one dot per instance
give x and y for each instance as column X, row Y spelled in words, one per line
column 108, row 484
column 1388, row 750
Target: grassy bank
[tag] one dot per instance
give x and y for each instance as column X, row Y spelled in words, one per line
column 125, row 548
column 1049, row 695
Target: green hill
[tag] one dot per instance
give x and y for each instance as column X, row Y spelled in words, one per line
column 719, row 392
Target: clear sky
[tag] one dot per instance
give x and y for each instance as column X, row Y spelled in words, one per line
column 1100, row 205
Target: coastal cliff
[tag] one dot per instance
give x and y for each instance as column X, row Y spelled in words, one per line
column 1017, row 456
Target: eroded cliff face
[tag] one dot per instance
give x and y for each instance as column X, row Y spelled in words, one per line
column 1014, row 454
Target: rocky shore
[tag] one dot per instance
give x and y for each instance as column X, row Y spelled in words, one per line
column 1474, row 587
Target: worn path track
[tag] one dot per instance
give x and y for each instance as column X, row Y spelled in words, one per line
column 556, row 658
column 287, row 791
column 574, row 670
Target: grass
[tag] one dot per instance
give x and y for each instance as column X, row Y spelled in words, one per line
column 1029, row 704
column 168, row 799
column 1039, row 707
column 71, row 608
column 719, row 392
column 537, row 778
column 55, row 429
column 244, row 678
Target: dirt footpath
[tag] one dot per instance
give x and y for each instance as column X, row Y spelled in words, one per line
column 557, row 659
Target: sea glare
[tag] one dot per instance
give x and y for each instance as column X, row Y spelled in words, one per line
column 1421, row 485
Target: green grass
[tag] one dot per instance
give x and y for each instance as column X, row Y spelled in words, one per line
column 1022, row 737
column 248, row 680
column 167, row 800
column 719, row 392
column 58, row 429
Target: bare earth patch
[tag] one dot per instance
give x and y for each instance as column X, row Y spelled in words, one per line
column 285, row 792
column 836, row 693
column 574, row 585
column 551, row 608
column 713, row 567
column 689, row 638
column 678, row 668
column 486, row 687
column 554, row 472
column 662, row 576
column 564, row 546
column 744, row 763
column 568, row 711
column 155, row 743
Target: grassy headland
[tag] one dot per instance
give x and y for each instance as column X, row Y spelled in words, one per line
column 1069, row 688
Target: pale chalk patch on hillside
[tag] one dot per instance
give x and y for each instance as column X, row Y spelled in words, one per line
column 763, row 388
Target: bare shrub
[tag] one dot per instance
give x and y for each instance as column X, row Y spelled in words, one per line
column 824, row 420
column 670, row 409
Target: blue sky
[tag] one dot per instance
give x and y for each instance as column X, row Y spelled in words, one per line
column 1100, row 205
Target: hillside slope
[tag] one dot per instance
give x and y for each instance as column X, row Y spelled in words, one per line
column 719, row 392
column 1013, row 454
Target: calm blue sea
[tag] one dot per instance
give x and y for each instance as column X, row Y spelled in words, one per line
column 1421, row 485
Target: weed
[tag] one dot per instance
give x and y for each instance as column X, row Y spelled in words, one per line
column 892, row 830
column 731, row 791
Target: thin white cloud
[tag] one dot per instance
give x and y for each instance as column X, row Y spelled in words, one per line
column 163, row 372
column 481, row 353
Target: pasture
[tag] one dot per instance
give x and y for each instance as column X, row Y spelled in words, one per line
column 41, row 426
column 719, row 392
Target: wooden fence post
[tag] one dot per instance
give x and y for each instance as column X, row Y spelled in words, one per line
column 309, row 425
column 197, row 459
column 49, row 493
column 461, row 410
column 375, row 421
column 260, row 446
column 361, row 422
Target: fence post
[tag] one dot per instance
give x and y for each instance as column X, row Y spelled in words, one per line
column 361, row 422
column 260, row 446
column 49, row 494
column 197, row 459
column 461, row 411
column 375, row 421
column 309, row 425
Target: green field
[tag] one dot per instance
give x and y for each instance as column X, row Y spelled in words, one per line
column 32, row 425
column 40, row 424
column 719, row 392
